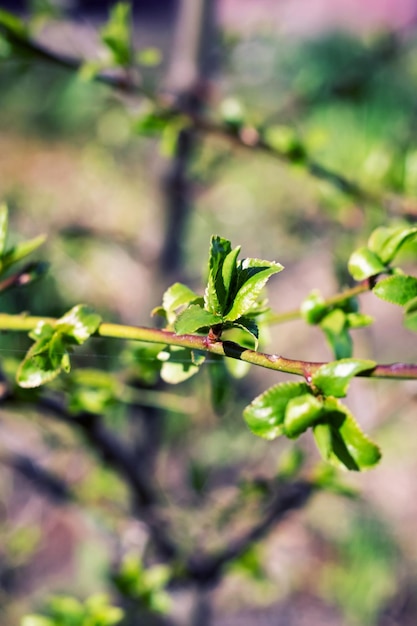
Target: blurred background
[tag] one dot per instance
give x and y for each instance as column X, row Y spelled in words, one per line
column 127, row 213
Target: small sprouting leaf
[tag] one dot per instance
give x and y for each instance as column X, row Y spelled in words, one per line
column 358, row 320
column 243, row 331
column 336, row 329
column 313, row 308
column 149, row 57
column 253, row 274
column 4, row 224
column 364, row 263
column 301, row 413
column 215, row 297
column 194, row 318
column 265, row 414
column 285, row 140
column 387, row 242
column 340, row 440
column 37, row 368
column 79, row 323
column 410, row 315
column 179, row 364
column 229, row 271
column 176, row 296
column 13, row 24
column 116, row 33
column 21, row 250
column 333, row 379
column 398, row 289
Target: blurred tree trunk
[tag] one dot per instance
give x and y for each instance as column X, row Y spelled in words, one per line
column 193, row 64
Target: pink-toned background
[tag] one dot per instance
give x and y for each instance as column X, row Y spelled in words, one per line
column 305, row 17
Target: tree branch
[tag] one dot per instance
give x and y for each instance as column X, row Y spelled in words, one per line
column 202, row 343
column 207, row 569
column 170, row 106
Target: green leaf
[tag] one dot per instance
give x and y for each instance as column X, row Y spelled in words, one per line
column 38, row 368
column 175, row 297
column 10, row 22
column 253, row 274
column 79, row 323
column 313, row 308
column 229, row 273
column 265, row 415
column 215, row 297
column 333, row 379
column 358, row 320
column 398, row 289
column 116, row 33
column 364, row 263
column 179, row 364
column 243, row 331
column 340, row 440
column 387, row 242
column 149, row 57
column 301, row 413
column 21, row 250
column 4, row 224
column 410, row 312
column 336, row 329
column 195, row 318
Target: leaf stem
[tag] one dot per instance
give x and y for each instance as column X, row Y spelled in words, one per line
column 295, row 314
column 298, row 367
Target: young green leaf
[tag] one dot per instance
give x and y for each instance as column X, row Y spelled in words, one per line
column 179, row 364
column 194, row 318
column 79, row 323
column 215, row 297
column 340, row 440
column 116, row 34
column 176, row 296
column 358, row 320
column 265, row 415
column 364, row 263
column 20, row 251
column 387, row 242
column 253, row 274
column 333, row 379
column 410, row 315
column 336, row 328
column 11, row 23
column 313, row 308
column 301, row 413
column 398, row 289
column 40, row 366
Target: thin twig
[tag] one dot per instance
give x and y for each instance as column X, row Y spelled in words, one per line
column 201, row 343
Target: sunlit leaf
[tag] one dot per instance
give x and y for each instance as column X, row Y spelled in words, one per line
column 179, row 364
column 313, row 308
column 252, row 277
column 333, row 379
column 410, row 315
column 79, row 323
column 387, row 242
column 21, row 250
column 364, row 263
column 116, row 34
column 301, row 413
column 341, row 441
column 398, row 289
column 336, row 329
column 195, row 318
column 265, row 414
